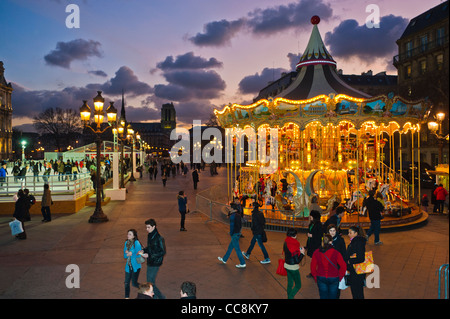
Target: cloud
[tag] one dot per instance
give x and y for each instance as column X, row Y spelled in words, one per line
column 187, row 112
column 188, row 61
column 98, row 73
column 349, row 39
column 139, row 114
column 186, row 85
column 126, row 80
column 295, row 15
column 67, row 52
column 200, row 80
column 283, row 17
column 217, row 33
column 28, row 103
column 293, row 60
column 254, row 83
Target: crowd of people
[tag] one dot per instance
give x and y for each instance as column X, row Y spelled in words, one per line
column 331, row 260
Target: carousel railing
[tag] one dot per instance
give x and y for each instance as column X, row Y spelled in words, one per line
column 399, row 184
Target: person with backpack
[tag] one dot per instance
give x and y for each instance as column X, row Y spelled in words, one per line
column 328, row 268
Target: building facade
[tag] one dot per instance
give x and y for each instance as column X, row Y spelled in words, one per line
column 157, row 134
column 423, row 72
column 5, row 116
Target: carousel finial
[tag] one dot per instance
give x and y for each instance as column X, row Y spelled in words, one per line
column 315, row 20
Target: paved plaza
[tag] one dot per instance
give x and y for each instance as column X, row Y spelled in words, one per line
column 36, row 268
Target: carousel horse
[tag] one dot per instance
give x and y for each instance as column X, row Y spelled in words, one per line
column 370, row 184
column 331, row 201
column 353, row 199
column 236, row 189
column 384, row 190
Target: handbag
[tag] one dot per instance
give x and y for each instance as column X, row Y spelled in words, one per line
column 366, row 267
column 281, row 270
column 140, row 259
column 16, row 227
column 264, row 237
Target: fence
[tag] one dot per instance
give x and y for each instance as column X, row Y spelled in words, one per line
column 443, row 275
column 211, row 203
column 67, row 184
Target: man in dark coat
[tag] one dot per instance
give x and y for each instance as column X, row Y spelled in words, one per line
column 375, row 208
column 154, row 252
column 258, row 222
column 195, row 178
column 21, row 212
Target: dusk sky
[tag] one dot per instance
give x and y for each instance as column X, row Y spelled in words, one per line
column 198, row 54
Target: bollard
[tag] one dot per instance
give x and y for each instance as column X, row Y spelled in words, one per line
column 443, row 268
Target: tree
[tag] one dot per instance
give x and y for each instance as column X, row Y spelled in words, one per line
column 59, row 124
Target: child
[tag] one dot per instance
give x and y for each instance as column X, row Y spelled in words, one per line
column 425, row 203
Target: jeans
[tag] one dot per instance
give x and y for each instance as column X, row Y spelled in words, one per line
column 440, row 206
column 234, row 244
column 375, row 227
column 152, row 271
column 183, row 217
column 328, row 287
column 293, row 277
column 257, row 238
column 133, row 277
column 46, row 213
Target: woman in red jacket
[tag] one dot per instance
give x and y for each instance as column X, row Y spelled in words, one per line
column 440, row 194
column 328, row 268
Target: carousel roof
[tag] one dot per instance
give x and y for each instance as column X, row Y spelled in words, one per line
column 317, row 72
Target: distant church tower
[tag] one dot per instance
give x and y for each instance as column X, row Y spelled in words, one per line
column 168, row 117
column 5, row 116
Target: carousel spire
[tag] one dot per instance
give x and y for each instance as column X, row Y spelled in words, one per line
column 316, row 52
column 316, row 72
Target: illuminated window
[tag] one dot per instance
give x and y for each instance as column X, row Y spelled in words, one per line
column 440, row 61
column 408, row 71
column 423, row 66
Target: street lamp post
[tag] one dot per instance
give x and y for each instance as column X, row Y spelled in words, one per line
column 436, row 129
column 131, row 138
column 24, row 144
column 85, row 111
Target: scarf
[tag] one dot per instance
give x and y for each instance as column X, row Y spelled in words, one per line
column 293, row 245
column 129, row 244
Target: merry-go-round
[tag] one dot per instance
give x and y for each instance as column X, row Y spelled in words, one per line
column 334, row 144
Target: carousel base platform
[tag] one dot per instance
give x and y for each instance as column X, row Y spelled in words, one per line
column 273, row 221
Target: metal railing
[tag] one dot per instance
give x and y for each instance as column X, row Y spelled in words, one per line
column 421, row 49
column 66, row 184
column 443, row 275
